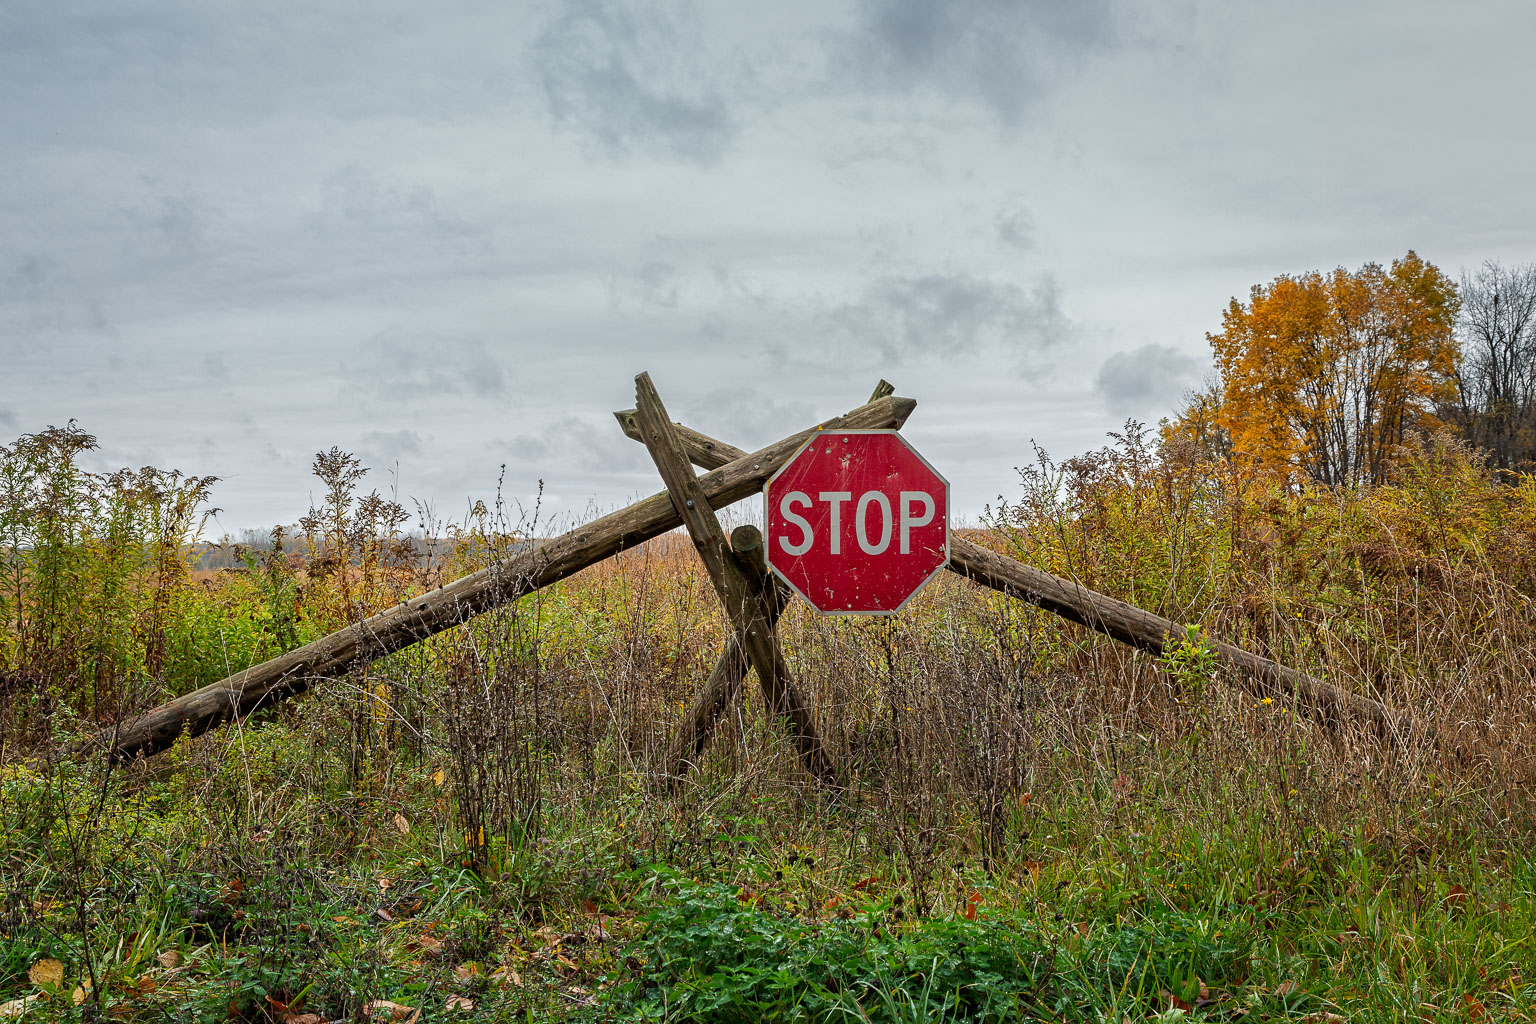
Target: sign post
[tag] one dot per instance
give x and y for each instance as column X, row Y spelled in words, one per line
column 856, row 522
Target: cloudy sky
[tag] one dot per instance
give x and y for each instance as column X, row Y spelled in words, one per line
column 446, row 236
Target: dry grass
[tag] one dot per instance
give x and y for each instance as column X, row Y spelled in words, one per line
column 986, row 747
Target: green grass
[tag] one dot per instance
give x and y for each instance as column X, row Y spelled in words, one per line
column 742, row 914
column 1036, row 824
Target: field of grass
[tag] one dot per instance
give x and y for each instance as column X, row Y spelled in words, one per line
column 1034, row 822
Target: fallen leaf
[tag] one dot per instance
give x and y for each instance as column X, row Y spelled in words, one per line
column 504, row 976
column 438, row 778
column 78, row 995
column 467, row 970
column 862, row 884
column 386, row 915
column 457, row 1002
column 588, row 907
column 1474, row 1009
column 1285, row 988
column 385, row 882
column 170, row 959
column 1456, row 898
column 303, row 1018
column 46, row 972
column 232, row 890
column 17, row 1007
column 396, row 1010
column 1174, row 1001
column 401, row 824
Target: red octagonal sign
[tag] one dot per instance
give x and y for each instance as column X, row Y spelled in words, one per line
column 857, row 522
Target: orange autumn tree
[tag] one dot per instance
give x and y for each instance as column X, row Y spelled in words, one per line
column 1323, row 376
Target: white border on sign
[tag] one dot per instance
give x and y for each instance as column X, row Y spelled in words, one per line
column 768, row 519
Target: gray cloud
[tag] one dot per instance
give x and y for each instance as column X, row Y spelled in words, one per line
column 400, row 365
column 7, row 419
column 365, row 204
column 633, row 79
column 573, row 442
column 1015, row 227
column 388, row 445
column 1003, row 54
column 377, row 215
column 1145, row 378
column 31, row 275
column 652, row 283
column 746, row 417
column 175, row 223
column 942, row 314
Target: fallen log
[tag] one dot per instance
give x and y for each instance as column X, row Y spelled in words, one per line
column 452, row 604
column 1329, row 705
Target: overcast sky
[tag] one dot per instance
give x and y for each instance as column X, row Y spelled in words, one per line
column 447, row 236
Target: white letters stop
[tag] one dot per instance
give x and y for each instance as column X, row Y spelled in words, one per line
column 874, row 520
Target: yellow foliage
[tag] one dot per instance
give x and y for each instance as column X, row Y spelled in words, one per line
column 1323, row 376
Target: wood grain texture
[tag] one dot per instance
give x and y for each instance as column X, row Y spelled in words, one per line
column 457, row 602
column 724, row 681
column 725, row 678
column 746, row 604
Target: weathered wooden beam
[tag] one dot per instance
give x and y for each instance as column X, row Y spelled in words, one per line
column 457, row 602
column 1323, row 702
column 745, row 604
column 699, row 445
column 724, row 680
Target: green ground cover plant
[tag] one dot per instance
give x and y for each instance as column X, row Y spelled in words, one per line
column 1033, row 824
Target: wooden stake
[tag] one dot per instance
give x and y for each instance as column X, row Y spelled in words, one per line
column 725, row 680
column 744, row 600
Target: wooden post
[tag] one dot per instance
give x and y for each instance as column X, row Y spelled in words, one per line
column 1325, row 703
column 725, row 680
column 743, row 598
column 448, row 606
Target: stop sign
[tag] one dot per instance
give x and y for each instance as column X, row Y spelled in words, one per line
column 857, row 522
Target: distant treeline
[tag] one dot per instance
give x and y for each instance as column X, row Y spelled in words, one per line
column 1323, row 376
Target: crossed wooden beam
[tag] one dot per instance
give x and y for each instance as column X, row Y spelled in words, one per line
column 753, row 600
column 753, row 597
